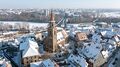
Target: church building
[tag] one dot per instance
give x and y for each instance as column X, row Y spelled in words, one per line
column 55, row 36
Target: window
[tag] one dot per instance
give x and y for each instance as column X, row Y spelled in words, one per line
column 48, row 65
column 113, row 63
column 60, row 56
column 42, row 36
column 74, row 35
column 26, row 58
column 89, row 44
column 31, row 60
column 52, row 25
column 27, row 62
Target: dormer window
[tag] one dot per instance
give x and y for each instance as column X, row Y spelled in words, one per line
column 48, row 65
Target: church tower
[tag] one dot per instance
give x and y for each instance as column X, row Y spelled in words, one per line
column 51, row 45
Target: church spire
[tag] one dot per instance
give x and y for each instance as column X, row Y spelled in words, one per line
column 51, row 44
column 52, row 18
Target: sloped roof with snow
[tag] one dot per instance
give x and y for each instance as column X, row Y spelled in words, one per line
column 108, row 49
column 77, row 59
column 96, row 38
column 72, row 32
column 35, row 64
column 61, row 33
column 92, row 50
column 48, row 63
column 108, row 34
column 29, row 47
column 117, row 39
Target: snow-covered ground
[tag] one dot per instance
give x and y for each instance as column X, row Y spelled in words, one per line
column 31, row 24
column 111, row 14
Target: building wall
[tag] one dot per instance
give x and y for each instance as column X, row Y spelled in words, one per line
column 118, row 44
column 27, row 60
column 51, row 40
column 99, row 60
column 50, row 48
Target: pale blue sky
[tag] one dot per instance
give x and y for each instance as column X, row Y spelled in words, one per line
column 59, row 3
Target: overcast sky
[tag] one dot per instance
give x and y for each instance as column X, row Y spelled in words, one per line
column 59, row 3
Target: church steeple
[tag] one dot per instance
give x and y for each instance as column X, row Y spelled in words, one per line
column 51, row 44
column 52, row 18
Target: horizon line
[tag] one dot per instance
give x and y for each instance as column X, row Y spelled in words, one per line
column 60, row 8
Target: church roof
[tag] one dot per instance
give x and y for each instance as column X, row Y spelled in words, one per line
column 61, row 33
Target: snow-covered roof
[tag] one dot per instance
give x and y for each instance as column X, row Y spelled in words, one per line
column 16, row 41
column 117, row 39
column 29, row 47
column 72, row 32
column 78, row 59
column 96, row 38
column 35, row 64
column 108, row 47
column 74, row 25
column 102, row 23
column 7, row 33
column 60, row 35
column 92, row 50
column 48, row 63
column 4, row 62
column 111, row 41
column 59, row 28
column 107, row 34
column 105, row 54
